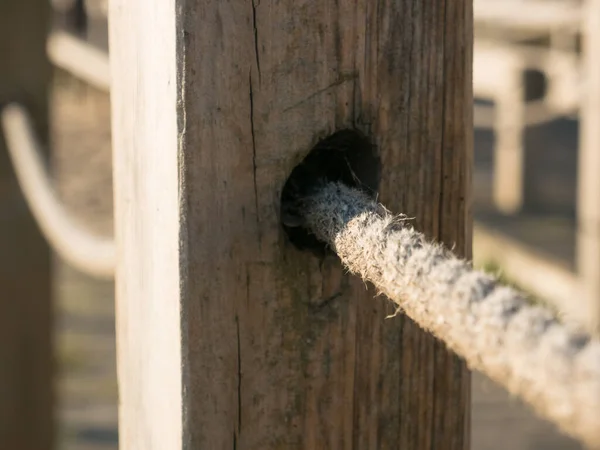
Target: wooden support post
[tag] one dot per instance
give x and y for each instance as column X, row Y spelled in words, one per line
column 229, row 336
column 25, row 307
column 509, row 151
column 588, row 235
column 498, row 75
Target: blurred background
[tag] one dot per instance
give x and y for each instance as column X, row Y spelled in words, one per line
column 529, row 192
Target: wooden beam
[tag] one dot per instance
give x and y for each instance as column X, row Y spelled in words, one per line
column 493, row 63
column 228, row 335
column 530, row 15
column 498, row 75
column 25, row 308
column 588, row 234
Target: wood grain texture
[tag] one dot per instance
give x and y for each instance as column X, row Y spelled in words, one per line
column 26, row 403
column 230, row 337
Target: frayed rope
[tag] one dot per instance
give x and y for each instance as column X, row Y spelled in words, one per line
column 522, row 346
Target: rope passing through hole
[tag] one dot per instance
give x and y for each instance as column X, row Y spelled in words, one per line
column 522, row 346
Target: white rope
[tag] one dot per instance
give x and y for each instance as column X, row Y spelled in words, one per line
column 91, row 254
column 79, row 58
column 494, row 328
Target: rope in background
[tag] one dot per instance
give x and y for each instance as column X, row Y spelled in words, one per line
column 92, row 254
column 495, row 328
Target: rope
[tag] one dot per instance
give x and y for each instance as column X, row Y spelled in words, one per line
column 91, row 254
column 494, row 328
column 80, row 59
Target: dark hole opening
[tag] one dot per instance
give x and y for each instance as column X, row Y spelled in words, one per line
column 346, row 156
column 536, row 84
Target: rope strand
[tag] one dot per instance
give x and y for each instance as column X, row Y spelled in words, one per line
column 495, row 328
column 92, row 254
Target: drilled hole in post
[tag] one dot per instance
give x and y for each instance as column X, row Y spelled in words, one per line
column 346, row 156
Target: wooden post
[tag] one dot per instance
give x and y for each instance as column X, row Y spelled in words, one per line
column 229, row 336
column 25, row 308
column 509, row 151
column 588, row 208
column 498, row 73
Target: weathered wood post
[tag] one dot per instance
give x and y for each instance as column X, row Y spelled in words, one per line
column 25, row 309
column 228, row 335
column 588, row 181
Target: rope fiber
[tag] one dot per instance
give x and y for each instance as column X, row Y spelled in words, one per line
column 522, row 346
